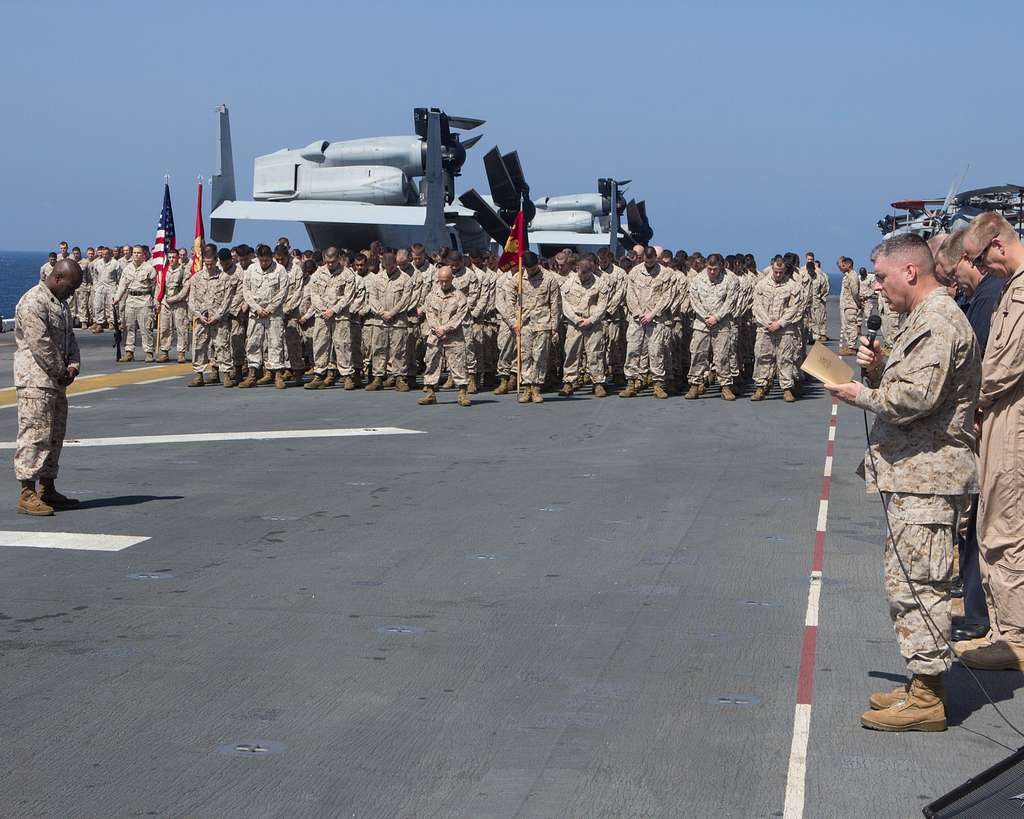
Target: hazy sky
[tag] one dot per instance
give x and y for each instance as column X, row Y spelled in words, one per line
column 746, row 125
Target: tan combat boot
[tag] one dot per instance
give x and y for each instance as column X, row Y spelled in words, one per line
column 659, row 390
column 49, row 495
column 197, row 380
column 535, row 395
column 128, row 355
column 430, row 397
column 212, row 378
column 401, row 385
column 502, row 388
column 921, row 710
column 228, row 379
column 314, row 384
column 389, row 381
column 759, row 394
column 728, row 394
column 348, row 382
column 249, row 380
column 788, row 397
column 630, row 391
column 163, row 357
column 449, row 383
column 567, row 390
column 181, row 358
column 993, row 656
column 266, row 378
column 524, row 396
column 886, row 699
column 464, row 397
column 693, row 392
column 149, row 358
column 96, row 328
column 332, row 376
column 29, row 502
column 279, row 382
column 472, row 386
column 376, row 384
column 599, row 391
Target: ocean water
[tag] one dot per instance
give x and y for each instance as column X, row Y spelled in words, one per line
column 19, row 271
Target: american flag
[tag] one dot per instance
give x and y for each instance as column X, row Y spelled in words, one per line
column 165, row 242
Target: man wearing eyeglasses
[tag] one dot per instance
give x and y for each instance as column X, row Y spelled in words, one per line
column 991, row 245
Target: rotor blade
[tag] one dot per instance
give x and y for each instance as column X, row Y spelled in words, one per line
column 954, row 189
column 493, row 225
column 515, row 171
column 465, row 123
column 633, row 218
column 469, row 143
column 642, row 207
column 503, row 189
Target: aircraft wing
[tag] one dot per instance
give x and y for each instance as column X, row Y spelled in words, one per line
column 352, row 213
column 568, row 237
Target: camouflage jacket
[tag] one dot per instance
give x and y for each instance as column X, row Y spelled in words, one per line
column 265, row 288
column 781, row 302
column 446, row 310
column 651, row 291
column 584, row 300
column 923, row 439
column 45, row 341
column 713, row 298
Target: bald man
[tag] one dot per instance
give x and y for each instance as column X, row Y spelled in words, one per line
column 920, row 458
column 46, row 362
column 991, row 245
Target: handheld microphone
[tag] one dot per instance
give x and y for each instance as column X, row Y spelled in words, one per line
column 874, row 324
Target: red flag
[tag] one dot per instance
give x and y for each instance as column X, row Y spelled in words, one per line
column 514, row 245
column 197, row 246
column 165, row 242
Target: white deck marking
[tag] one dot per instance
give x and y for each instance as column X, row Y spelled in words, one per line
column 828, row 466
column 831, row 433
column 813, row 599
column 70, row 540
column 199, row 437
column 822, row 513
column 158, row 380
column 795, row 780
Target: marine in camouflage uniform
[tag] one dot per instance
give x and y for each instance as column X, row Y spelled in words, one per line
column 921, row 459
column 777, row 306
column 46, row 361
column 713, row 297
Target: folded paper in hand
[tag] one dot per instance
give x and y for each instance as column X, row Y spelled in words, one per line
column 826, row 366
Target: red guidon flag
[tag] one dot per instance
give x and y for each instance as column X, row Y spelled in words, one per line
column 165, row 242
column 514, row 245
column 197, row 246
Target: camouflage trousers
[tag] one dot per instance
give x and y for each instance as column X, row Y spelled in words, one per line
column 849, row 331
column 102, row 304
column 138, row 319
column 294, row 344
column 211, row 345
column 506, row 350
column 451, row 351
column 389, row 350
column 650, row 342
column 333, row 346
column 718, row 341
column 366, row 345
column 42, row 425
column 174, row 325
column 265, row 333
column 818, row 321
column 776, row 352
column 536, row 353
column 588, row 343
column 923, row 528
column 615, row 335
column 83, row 305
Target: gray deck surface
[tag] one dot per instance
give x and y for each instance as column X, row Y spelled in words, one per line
column 525, row 612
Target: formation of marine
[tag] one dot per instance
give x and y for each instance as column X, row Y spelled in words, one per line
column 649, row 320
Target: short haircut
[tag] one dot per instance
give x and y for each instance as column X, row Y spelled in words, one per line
column 224, row 254
column 988, row 226
column 951, row 251
column 908, row 246
column 52, row 254
column 210, row 251
column 263, row 251
column 417, row 246
column 309, row 266
column 715, row 259
column 529, row 258
column 650, row 254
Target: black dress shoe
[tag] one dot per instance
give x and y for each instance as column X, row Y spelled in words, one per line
column 968, row 631
column 956, row 588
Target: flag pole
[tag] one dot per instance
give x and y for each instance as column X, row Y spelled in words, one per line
column 519, row 329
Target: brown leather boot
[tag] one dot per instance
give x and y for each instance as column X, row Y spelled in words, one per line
column 314, row 384
column 279, row 382
column 535, row 395
column 998, row 655
column 788, row 397
column 429, row 397
column 449, row 383
column 197, row 380
column 149, row 358
column 759, row 394
column 212, row 378
column 659, row 390
column 228, row 379
column 464, row 397
column 266, row 378
column 181, row 358
column 472, row 386
column 348, row 382
column 29, row 503
column 693, row 392
column 163, row 357
column 401, row 385
column 525, row 395
column 921, row 710
column 389, row 381
column 502, row 388
column 567, row 390
column 249, row 380
column 630, row 391
column 599, row 391
column 129, row 355
column 886, row 699
column 728, row 394
column 376, row 384
column 49, row 495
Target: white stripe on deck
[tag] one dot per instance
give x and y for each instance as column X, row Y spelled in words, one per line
column 831, row 433
column 158, row 380
column 70, row 540
column 797, row 776
column 822, row 513
column 813, row 600
column 828, row 466
column 201, row 437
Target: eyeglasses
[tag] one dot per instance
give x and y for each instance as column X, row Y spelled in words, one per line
column 977, row 260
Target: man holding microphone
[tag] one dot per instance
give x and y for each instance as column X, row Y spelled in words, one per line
column 920, row 458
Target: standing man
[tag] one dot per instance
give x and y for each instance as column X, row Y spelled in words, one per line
column 332, row 293
column 817, row 320
column 541, row 310
column 81, row 302
column 778, row 303
column 135, row 291
column 584, row 304
column 649, row 296
column 391, row 295
column 991, row 244
column 174, row 312
column 264, row 287
column 46, row 363
column 444, row 313
column 106, row 272
column 47, row 267
column 920, row 458
column 615, row 322
column 210, row 293
column 713, row 299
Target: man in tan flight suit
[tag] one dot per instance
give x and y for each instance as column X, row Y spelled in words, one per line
column 650, row 293
column 991, row 244
column 920, row 458
column 81, row 302
column 584, row 305
column 106, row 271
column 135, row 291
column 444, row 313
column 264, row 287
column 46, row 362
column 615, row 322
column 392, row 292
